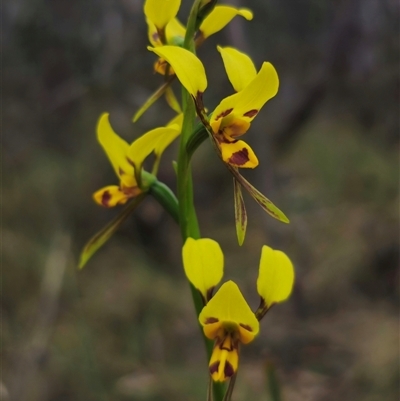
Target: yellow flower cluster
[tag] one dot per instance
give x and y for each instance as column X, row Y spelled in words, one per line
column 226, row 317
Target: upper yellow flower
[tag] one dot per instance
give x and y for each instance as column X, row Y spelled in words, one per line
column 226, row 316
column 127, row 160
column 233, row 116
column 165, row 29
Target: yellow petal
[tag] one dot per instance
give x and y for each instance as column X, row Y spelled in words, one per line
column 110, row 196
column 188, row 68
column 262, row 88
column 160, row 12
column 172, row 100
column 276, row 276
column 229, row 306
column 238, row 154
column 149, row 141
column 152, row 33
column 175, row 32
column 115, row 147
column 220, row 16
column 166, row 139
column 223, row 363
column 239, row 67
column 203, row 262
column 246, row 104
column 178, row 120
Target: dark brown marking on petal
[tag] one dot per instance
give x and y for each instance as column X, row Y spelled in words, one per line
column 210, row 320
column 245, row 326
column 155, row 36
column 198, row 101
column 120, row 171
column 214, row 367
column 209, row 294
column 239, row 158
column 223, row 114
column 130, row 162
column 251, row 113
column 105, row 198
column 228, row 369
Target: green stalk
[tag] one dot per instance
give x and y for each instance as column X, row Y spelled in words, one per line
column 187, row 212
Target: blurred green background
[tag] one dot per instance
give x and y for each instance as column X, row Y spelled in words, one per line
column 124, row 327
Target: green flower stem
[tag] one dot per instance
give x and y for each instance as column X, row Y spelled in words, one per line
column 166, row 198
column 187, row 212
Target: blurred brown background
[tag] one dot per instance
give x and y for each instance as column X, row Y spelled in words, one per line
column 124, row 328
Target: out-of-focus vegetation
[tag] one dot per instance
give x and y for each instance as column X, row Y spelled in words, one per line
column 124, row 327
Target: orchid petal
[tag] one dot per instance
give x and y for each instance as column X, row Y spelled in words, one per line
column 246, row 104
column 220, row 16
column 238, row 66
column 175, row 32
column 261, row 199
column 148, row 142
column 228, row 305
column 152, row 33
column 102, row 236
column 276, row 276
column 115, row 147
column 238, row 154
column 160, row 12
column 188, row 68
column 203, row 262
column 110, row 196
column 240, row 212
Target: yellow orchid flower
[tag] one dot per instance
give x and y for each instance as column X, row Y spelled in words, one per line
column 233, row 116
column 226, row 316
column 127, row 160
column 228, row 320
column 203, row 262
column 165, row 29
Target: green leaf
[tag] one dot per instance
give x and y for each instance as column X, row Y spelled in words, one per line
column 273, row 383
column 240, row 212
column 261, row 199
column 101, row 237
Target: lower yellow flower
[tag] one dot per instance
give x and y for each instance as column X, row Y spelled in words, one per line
column 227, row 319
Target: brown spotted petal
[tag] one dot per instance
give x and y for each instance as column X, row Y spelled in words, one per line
column 238, row 154
column 110, row 196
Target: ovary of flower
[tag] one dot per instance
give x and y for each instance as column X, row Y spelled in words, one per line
column 227, row 319
column 127, row 160
column 233, row 116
